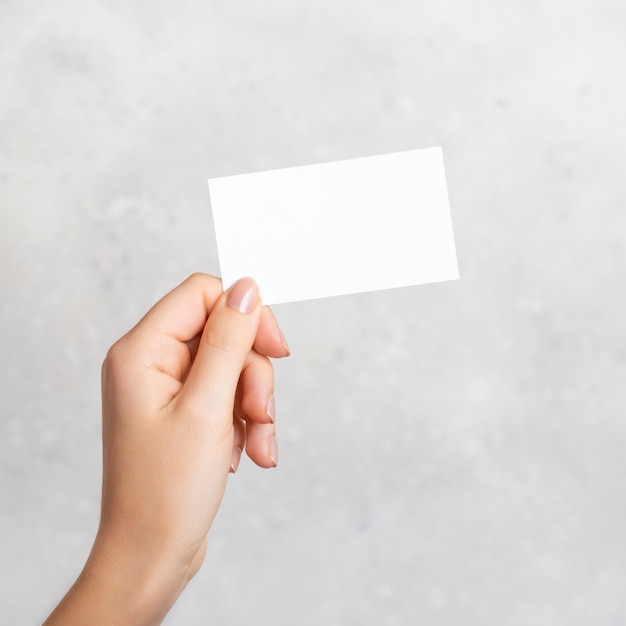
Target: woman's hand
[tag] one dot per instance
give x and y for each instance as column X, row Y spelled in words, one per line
column 184, row 392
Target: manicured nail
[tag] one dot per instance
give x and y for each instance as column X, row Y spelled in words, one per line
column 243, row 296
column 234, row 463
column 273, row 450
column 271, row 408
column 284, row 341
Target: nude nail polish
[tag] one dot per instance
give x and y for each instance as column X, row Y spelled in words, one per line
column 243, row 296
column 236, row 457
column 273, row 451
column 284, row 342
column 271, row 408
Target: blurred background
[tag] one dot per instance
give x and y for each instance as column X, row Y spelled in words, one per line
column 449, row 454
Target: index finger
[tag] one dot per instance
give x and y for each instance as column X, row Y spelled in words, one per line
column 183, row 312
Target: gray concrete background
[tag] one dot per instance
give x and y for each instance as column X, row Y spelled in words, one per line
column 449, row 454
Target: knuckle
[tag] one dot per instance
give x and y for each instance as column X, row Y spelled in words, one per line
column 203, row 281
column 115, row 361
column 112, row 356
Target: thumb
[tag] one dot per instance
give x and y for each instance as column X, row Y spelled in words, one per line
column 209, row 390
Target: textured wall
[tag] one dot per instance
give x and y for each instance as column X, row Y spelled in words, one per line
column 450, row 454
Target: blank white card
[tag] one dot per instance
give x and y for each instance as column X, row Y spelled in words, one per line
column 336, row 228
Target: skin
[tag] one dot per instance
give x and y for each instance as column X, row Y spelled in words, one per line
column 184, row 392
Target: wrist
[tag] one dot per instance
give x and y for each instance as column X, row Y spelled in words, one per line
column 119, row 586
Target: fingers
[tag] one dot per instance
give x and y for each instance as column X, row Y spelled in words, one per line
column 210, row 342
column 270, row 340
column 183, row 312
column 256, row 389
column 227, row 338
column 261, row 444
column 256, row 404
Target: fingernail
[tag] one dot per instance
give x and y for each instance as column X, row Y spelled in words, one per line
column 271, row 408
column 234, row 463
column 285, row 344
column 243, row 296
column 273, row 450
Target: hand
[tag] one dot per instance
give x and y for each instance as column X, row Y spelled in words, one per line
column 183, row 393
